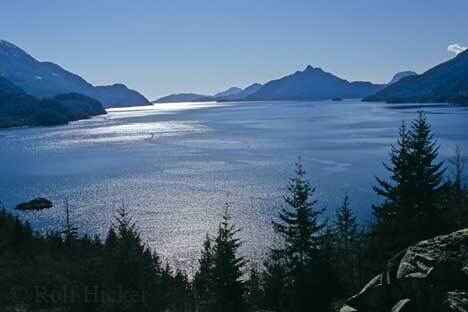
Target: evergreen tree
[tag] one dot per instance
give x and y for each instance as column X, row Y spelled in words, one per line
column 70, row 232
column 181, row 300
column 390, row 222
column 457, row 194
column 274, row 280
column 298, row 222
column 228, row 286
column 202, row 281
column 411, row 210
column 307, row 270
column 346, row 236
column 130, row 268
column 428, row 179
column 254, row 291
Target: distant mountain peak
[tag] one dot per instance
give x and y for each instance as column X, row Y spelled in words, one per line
column 7, row 44
column 229, row 92
column 310, row 68
column 313, row 83
column 118, row 85
column 11, row 50
column 400, row 75
column 47, row 79
column 446, row 82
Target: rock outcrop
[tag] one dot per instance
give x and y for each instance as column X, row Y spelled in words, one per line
column 431, row 276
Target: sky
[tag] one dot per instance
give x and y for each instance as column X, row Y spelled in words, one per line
column 162, row 47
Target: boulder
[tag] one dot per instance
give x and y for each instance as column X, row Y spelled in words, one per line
column 430, row 276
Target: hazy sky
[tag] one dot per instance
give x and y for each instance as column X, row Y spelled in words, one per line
column 161, row 47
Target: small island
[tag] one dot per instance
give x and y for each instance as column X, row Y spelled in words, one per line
column 35, row 204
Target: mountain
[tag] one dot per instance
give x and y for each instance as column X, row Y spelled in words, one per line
column 229, row 92
column 310, row 84
column 242, row 94
column 401, row 75
column 46, row 79
column 446, row 82
column 118, row 95
column 250, row 90
column 313, row 84
column 17, row 108
column 185, row 97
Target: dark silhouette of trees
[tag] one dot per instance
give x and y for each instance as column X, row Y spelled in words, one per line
column 228, row 285
column 301, row 257
column 202, row 281
column 254, row 289
column 218, row 283
column 347, row 248
column 412, row 199
column 457, row 195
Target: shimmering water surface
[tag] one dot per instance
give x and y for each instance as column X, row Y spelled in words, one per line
column 175, row 165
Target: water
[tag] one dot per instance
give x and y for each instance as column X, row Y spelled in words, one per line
column 175, row 165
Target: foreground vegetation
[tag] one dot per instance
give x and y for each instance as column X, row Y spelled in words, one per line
column 317, row 264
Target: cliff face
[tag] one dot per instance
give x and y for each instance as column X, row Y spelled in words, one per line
column 431, row 276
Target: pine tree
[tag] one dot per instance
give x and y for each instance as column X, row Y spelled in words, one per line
column 131, row 268
column 298, row 222
column 254, row 291
column 228, row 286
column 428, row 178
column 457, row 193
column 70, row 232
column 181, row 295
column 202, row 281
column 307, row 270
column 275, row 279
column 346, row 236
column 411, row 209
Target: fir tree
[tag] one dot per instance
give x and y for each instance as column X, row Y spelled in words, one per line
column 254, row 291
column 228, row 286
column 181, row 294
column 275, row 279
column 411, row 210
column 347, row 238
column 70, row 232
column 307, row 270
column 428, row 178
column 457, row 193
column 131, row 268
column 202, row 281
column 298, row 222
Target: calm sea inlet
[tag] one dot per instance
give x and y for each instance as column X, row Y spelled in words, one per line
column 174, row 166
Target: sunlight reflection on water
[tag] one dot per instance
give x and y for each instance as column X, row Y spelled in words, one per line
column 175, row 165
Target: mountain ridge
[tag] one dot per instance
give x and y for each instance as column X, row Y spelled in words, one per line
column 445, row 82
column 313, row 84
column 19, row 109
column 46, row 79
column 400, row 75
